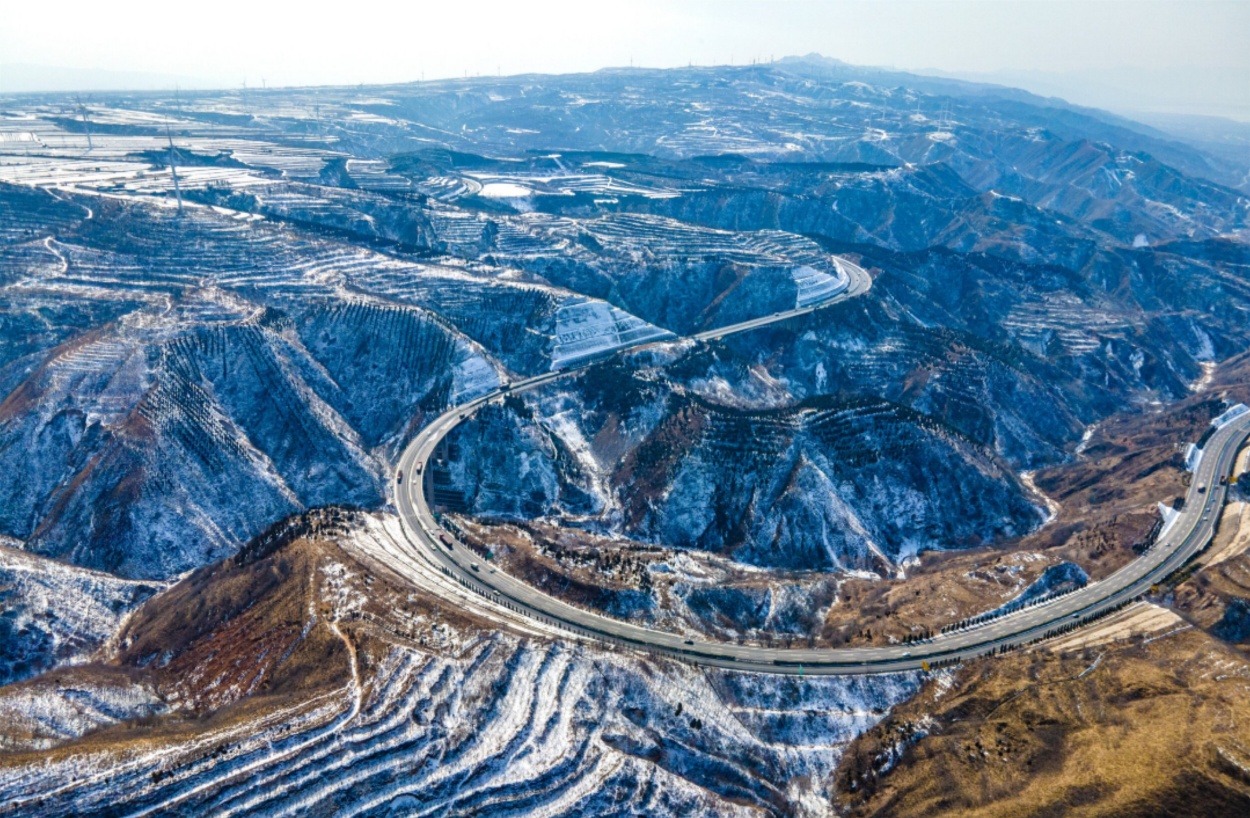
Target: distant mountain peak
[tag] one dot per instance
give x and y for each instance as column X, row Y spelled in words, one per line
column 814, row 58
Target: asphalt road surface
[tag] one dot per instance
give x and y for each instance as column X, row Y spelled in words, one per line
column 1186, row 536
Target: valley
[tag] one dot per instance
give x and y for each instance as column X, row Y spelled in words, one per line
column 778, row 439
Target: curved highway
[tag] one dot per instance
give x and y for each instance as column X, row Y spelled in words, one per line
column 1188, row 534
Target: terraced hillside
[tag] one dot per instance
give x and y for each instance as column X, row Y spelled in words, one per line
column 207, row 381
column 372, row 698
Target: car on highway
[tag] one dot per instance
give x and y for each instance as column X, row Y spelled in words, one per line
column 399, row 476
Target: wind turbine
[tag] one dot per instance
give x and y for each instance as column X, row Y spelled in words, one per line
column 172, row 169
column 82, row 111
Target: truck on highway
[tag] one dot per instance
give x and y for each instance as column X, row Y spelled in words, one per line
column 447, row 542
column 399, row 476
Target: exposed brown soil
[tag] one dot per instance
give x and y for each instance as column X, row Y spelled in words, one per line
column 945, row 588
column 1216, row 596
column 576, row 561
column 648, row 469
column 1138, row 728
column 1141, row 619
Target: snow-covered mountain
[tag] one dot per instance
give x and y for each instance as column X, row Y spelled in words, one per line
column 196, row 383
column 823, row 484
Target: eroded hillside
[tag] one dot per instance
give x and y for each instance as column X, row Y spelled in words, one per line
column 205, row 386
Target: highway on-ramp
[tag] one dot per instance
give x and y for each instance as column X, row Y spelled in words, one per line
column 1185, row 536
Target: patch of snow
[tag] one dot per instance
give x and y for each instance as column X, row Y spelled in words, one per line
column 472, row 377
column 504, row 190
column 1169, row 515
column 1193, row 457
column 816, row 286
column 586, row 328
column 1085, row 438
column 1052, row 507
column 1232, row 414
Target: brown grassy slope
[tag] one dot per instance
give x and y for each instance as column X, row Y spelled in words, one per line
column 276, row 627
column 1138, row 729
column 1214, row 593
column 254, row 623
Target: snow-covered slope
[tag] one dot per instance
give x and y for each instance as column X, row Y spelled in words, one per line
column 52, row 614
column 853, row 484
column 146, row 433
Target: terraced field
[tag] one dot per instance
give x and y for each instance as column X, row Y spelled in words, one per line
column 419, row 708
column 207, row 388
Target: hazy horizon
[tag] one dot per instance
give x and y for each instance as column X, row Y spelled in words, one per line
column 1123, row 55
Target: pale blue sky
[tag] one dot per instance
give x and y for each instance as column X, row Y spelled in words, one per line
column 1168, row 55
